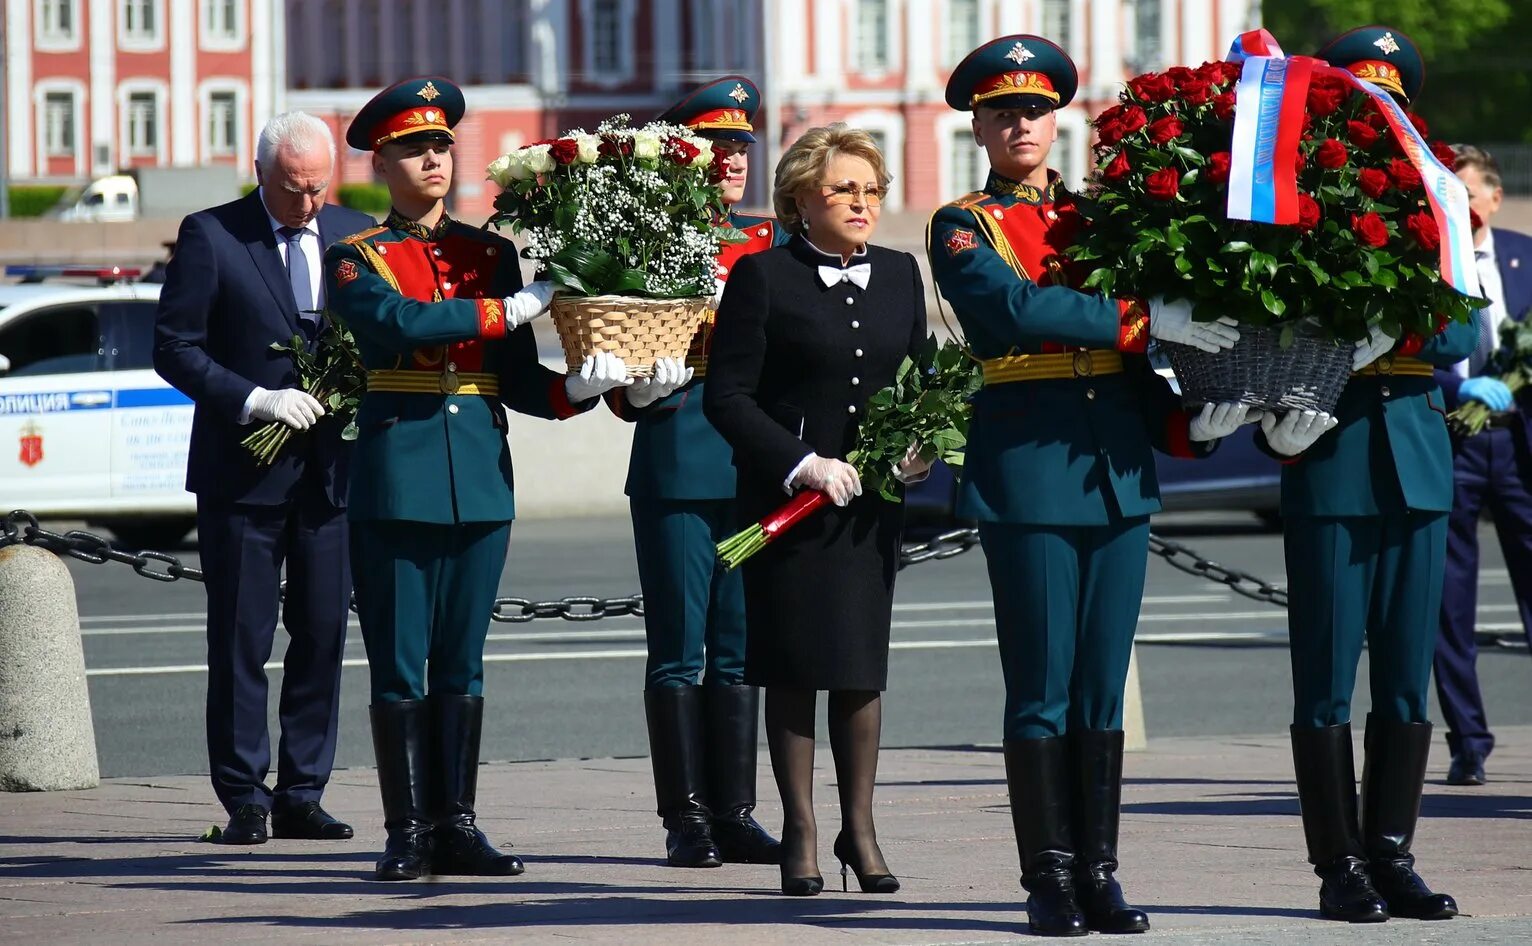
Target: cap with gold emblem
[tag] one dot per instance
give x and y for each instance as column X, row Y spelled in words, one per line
column 1012, row 71
column 724, row 109
column 428, row 105
column 1382, row 55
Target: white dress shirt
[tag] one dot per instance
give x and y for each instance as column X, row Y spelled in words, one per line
column 312, row 252
column 1494, row 291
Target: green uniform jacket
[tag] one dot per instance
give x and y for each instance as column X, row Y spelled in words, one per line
column 430, row 457
column 1057, row 452
column 676, row 453
column 1389, row 451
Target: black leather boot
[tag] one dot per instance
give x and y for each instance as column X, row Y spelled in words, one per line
column 401, row 741
column 730, row 718
column 1097, row 769
column 675, row 750
column 461, row 848
column 1037, row 774
column 1393, row 776
column 1326, row 773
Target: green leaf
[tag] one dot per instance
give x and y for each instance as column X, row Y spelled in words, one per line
column 1273, row 305
column 1263, row 261
column 1236, row 246
column 1386, row 279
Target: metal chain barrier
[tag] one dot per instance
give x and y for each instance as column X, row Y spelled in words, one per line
column 1180, row 557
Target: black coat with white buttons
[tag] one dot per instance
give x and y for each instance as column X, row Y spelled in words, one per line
column 792, row 364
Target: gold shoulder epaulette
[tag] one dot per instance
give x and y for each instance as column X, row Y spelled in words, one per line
column 356, row 238
column 970, row 200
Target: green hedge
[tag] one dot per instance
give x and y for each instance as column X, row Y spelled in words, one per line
column 34, row 200
column 368, row 198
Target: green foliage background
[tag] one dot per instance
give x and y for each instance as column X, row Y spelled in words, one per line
column 34, row 200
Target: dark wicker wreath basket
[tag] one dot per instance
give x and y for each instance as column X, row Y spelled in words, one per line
column 1309, row 374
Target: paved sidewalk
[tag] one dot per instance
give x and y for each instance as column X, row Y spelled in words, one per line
column 1211, row 844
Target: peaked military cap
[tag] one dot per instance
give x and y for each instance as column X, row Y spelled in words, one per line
column 1382, row 55
column 724, row 109
column 1020, row 69
column 426, row 105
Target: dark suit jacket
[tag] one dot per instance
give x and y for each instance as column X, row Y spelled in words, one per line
column 1513, row 257
column 226, row 300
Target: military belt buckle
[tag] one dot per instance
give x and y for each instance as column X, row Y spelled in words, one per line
column 1386, row 364
column 448, row 382
column 1083, row 366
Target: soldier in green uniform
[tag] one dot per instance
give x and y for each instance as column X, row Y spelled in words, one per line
column 1059, row 475
column 702, row 739
column 1366, row 510
column 435, row 308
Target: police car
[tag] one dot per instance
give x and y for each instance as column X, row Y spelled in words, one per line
column 87, row 429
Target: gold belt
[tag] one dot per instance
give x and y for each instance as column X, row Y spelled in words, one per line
column 698, row 364
column 1075, row 364
column 1397, row 365
column 433, row 382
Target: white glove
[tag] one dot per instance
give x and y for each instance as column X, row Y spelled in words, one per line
column 528, row 304
column 297, row 409
column 835, row 478
column 1377, row 344
column 1296, row 431
column 718, row 285
column 1221, row 420
column 601, row 372
column 669, row 375
column 913, row 468
column 1172, row 322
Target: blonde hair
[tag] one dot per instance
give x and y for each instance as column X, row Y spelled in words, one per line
column 802, row 165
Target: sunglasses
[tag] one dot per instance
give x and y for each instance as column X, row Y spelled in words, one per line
column 845, row 192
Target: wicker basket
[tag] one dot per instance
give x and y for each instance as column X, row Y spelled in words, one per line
column 1309, row 374
column 634, row 329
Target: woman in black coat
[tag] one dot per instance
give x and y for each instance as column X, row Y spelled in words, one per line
column 806, row 333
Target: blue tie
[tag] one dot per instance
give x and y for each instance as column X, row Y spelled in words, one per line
column 1482, row 321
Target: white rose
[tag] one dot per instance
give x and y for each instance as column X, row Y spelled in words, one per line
column 539, row 159
column 590, row 148
column 516, row 167
column 646, row 146
column 704, row 152
column 499, row 171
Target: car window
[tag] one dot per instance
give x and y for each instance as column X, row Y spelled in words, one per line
column 129, row 331
column 95, row 200
column 57, row 340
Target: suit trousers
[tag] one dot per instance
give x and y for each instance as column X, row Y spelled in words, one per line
column 1492, row 469
column 1066, row 607
column 694, row 609
column 1356, row 578
column 424, row 593
column 243, row 549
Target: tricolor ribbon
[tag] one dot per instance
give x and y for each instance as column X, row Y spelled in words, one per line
column 1268, row 122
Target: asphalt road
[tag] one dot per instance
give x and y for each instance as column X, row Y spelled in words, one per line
column 1211, row 662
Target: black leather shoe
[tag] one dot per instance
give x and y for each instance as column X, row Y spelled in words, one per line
column 460, row 847
column 1053, row 909
column 1393, row 778
column 1326, row 772
column 674, row 715
column 1096, row 765
column 729, row 728
column 308, row 822
column 1036, row 773
column 1407, row 895
column 1466, row 769
column 401, row 740
column 246, row 826
column 1346, row 893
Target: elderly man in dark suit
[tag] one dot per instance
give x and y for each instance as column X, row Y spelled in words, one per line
column 247, row 274
column 1493, row 468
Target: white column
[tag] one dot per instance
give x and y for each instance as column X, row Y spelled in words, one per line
column 921, row 45
column 18, row 85
column 667, row 45
column 1104, row 47
column 183, row 83
column 1016, row 16
column 788, row 62
column 1196, row 31
column 550, row 46
column 831, row 57
column 266, row 62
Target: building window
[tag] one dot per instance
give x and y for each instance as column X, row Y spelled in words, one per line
column 56, row 21
column 872, row 39
column 606, row 36
column 1146, row 36
column 1057, row 24
column 143, row 124
column 969, row 168
column 222, row 124
column 222, row 19
column 1063, row 157
column 962, row 30
column 140, row 23
column 58, row 124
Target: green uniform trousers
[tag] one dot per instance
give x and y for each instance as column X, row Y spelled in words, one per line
column 424, row 593
column 1066, row 606
column 1351, row 578
column 694, row 610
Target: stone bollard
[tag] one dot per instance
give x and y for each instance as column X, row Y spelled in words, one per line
column 46, row 739
column 1134, row 734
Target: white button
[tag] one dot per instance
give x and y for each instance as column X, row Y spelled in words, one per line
column 436, row 251
column 1385, row 391
column 451, row 366
column 850, row 301
column 856, row 381
column 762, row 232
column 452, row 408
column 851, row 409
column 859, row 353
column 382, row 251
column 489, row 251
column 855, row 324
column 446, row 285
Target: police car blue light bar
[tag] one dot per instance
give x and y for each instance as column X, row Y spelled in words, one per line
column 38, row 273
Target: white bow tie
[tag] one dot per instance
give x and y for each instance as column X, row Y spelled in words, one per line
column 859, row 274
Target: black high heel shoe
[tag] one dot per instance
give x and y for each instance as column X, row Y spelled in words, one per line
column 870, row 883
column 807, row 886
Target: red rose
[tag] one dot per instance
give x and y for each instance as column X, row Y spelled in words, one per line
column 1373, row 182
column 1420, row 125
column 1223, row 106
column 613, row 147
column 1406, row 178
column 1444, row 153
column 1422, row 227
column 1118, row 169
column 1331, row 154
column 1370, row 229
column 1179, row 74
column 1376, row 118
column 681, row 151
column 1166, row 130
column 1124, row 121
column 1300, row 160
column 1163, row 184
column 1152, row 88
column 1219, row 74
column 1361, row 134
column 1308, row 213
column 1326, row 94
column 564, row 150
column 1475, row 222
column 1218, row 167
column 1195, row 90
